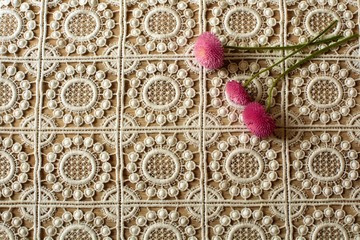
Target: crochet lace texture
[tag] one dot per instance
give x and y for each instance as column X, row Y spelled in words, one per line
column 109, row 129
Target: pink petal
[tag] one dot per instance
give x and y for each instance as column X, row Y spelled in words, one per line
column 236, row 93
column 258, row 121
column 209, row 51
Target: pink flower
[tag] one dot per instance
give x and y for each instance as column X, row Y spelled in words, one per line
column 236, row 93
column 209, row 51
column 258, row 121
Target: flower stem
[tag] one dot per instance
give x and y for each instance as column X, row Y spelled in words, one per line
column 290, row 55
column 326, row 40
column 317, row 53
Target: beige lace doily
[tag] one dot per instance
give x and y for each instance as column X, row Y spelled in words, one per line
column 110, row 130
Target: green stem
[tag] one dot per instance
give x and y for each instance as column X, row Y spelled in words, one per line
column 290, row 55
column 317, row 53
column 326, row 40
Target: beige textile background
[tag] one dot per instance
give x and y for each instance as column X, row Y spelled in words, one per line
column 110, row 130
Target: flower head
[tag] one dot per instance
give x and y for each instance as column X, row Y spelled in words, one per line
column 236, row 93
column 209, row 51
column 258, row 121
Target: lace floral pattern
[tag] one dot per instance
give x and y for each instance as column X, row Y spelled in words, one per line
column 251, row 23
column 162, row 26
column 81, row 27
column 109, row 129
column 161, row 93
column 19, row 27
column 80, row 94
column 327, row 96
column 17, row 94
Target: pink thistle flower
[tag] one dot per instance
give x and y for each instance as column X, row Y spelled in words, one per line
column 236, row 93
column 258, row 121
column 209, row 51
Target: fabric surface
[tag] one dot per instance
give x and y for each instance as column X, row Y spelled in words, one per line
column 110, row 130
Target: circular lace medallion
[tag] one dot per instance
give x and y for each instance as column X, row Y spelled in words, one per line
column 242, row 22
column 162, row 231
column 6, row 233
column 10, row 25
column 82, row 25
column 194, row 136
column 129, row 211
column 162, row 23
column 130, row 65
column 327, row 231
column 7, row 167
column 355, row 53
column 48, row 66
column 161, row 93
column 324, row 92
column 128, row 136
column 326, row 164
column 45, row 212
column 292, row 120
column 244, row 165
column 317, row 20
column 8, row 94
column 246, row 231
column 77, row 167
column 191, row 62
column 212, row 210
column 161, row 166
column 79, row 95
column 355, row 134
column 356, row 195
column 112, row 64
column 280, row 210
column 110, row 137
column 78, row 231
column 45, row 137
column 196, row 195
column 110, row 196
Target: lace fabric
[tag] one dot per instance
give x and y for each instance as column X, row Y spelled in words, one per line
column 109, row 129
